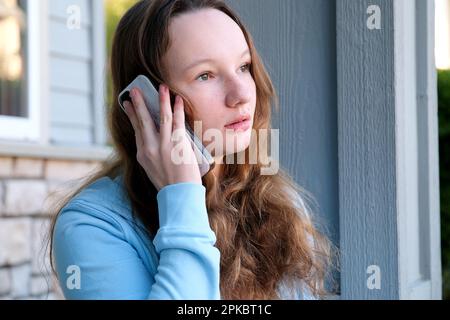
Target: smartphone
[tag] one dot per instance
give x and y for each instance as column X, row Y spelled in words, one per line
column 151, row 98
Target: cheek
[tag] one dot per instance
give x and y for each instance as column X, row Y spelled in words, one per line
column 212, row 121
column 206, row 110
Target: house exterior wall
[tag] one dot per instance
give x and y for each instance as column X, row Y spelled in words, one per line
column 26, row 185
column 75, row 146
column 388, row 154
column 74, row 72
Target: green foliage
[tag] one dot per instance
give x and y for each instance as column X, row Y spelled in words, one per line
column 444, row 168
column 114, row 11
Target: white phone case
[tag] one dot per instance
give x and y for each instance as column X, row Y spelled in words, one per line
column 151, row 99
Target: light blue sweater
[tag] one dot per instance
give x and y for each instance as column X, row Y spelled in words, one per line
column 101, row 252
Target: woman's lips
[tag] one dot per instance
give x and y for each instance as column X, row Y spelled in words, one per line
column 242, row 125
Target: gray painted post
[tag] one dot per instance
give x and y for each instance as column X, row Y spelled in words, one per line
column 388, row 200
column 366, row 135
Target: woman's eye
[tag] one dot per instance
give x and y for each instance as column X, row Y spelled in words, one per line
column 244, row 68
column 202, row 76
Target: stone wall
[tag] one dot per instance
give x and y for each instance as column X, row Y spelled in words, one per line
column 25, row 186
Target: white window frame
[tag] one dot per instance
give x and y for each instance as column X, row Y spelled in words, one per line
column 33, row 128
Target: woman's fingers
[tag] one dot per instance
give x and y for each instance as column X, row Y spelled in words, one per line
column 153, row 148
column 178, row 114
column 145, row 129
column 165, row 127
column 144, row 120
column 134, row 122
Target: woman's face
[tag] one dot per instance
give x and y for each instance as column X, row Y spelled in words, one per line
column 220, row 89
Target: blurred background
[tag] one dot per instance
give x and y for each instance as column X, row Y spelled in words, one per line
column 55, row 85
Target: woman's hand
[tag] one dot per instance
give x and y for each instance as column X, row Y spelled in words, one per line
column 157, row 152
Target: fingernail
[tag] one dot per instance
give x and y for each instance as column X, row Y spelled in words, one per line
column 132, row 93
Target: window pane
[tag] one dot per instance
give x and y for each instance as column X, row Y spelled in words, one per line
column 13, row 82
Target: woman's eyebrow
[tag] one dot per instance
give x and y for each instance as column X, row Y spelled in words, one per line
column 208, row 60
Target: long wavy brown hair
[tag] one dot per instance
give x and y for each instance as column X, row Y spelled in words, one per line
column 265, row 235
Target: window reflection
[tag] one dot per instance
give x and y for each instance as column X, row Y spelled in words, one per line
column 13, row 93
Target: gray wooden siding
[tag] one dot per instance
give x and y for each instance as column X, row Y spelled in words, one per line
column 297, row 42
column 388, row 166
column 71, row 51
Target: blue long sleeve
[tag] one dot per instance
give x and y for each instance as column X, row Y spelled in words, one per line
column 117, row 261
column 189, row 263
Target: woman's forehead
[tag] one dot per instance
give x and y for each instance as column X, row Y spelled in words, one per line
column 205, row 34
column 200, row 30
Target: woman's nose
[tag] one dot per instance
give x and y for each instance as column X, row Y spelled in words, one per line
column 238, row 93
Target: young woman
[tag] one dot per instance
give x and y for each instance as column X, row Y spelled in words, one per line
column 147, row 228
